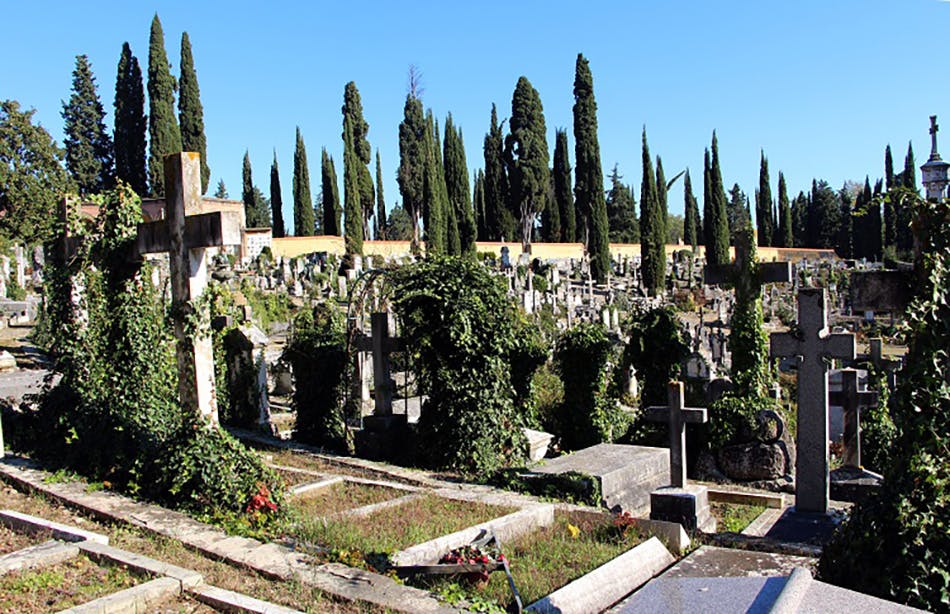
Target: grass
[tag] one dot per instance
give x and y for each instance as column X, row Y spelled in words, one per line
column 340, row 497
column 61, row 586
column 397, row 528
column 11, row 541
column 292, row 478
column 734, row 517
column 543, row 561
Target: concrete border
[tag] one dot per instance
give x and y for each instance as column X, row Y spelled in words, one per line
column 26, row 523
column 135, row 599
column 229, row 601
column 49, row 552
column 368, row 510
column 769, row 500
column 309, row 487
column 108, row 555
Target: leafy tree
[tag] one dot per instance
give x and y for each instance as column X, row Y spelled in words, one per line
column 763, row 204
column 221, row 191
column 478, row 202
column 380, row 201
column 413, row 151
column 589, row 177
column 303, row 209
column 784, row 238
column 276, row 200
column 652, row 233
column 737, row 209
column 356, row 159
column 130, row 124
column 621, row 211
column 823, row 219
column 655, row 349
column 456, row 183
column 332, row 211
column 526, row 158
column 353, row 213
column 498, row 219
column 563, row 195
column 89, row 152
column 691, row 224
column 32, row 178
column 163, row 132
column 190, row 112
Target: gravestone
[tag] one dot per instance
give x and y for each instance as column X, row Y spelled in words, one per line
column 247, row 374
column 812, row 344
column 384, row 432
column 852, row 400
column 890, row 367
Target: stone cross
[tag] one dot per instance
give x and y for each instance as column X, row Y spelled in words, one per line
column 185, row 233
column 676, row 415
column 890, row 367
column 381, row 345
column 852, row 401
column 813, row 344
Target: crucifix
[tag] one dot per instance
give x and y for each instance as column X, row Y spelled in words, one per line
column 889, row 366
column 852, row 400
column 813, row 345
column 766, row 272
column 185, row 234
column 676, row 416
column 381, row 345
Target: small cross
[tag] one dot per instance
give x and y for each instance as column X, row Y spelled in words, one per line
column 852, row 400
column 381, row 345
column 676, row 415
column 933, row 137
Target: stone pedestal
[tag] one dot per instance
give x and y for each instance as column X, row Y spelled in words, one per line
column 688, row 505
column 383, row 438
column 538, row 442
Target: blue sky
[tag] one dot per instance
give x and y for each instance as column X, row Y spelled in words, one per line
column 821, row 85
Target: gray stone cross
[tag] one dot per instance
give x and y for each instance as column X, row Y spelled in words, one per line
column 852, row 401
column 676, row 415
column 813, row 344
column 381, row 345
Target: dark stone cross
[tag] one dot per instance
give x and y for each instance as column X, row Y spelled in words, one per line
column 676, row 416
column 381, row 345
column 766, row 272
column 853, row 401
column 813, row 344
column 890, row 366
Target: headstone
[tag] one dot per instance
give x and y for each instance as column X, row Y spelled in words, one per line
column 813, row 344
column 853, row 401
column 676, row 415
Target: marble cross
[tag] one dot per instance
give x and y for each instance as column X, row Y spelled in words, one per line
column 676, row 416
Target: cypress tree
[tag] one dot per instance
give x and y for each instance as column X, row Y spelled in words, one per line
column 434, row 204
column 563, row 195
column 353, row 222
column 652, row 244
column 380, row 201
column 457, row 186
column 362, row 153
column 163, row 132
column 303, row 203
column 453, row 242
column 708, row 211
column 190, row 113
column 498, row 219
column 909, row 175
column 89, row 154
column 903, row 235
column 890, row 220
column 221, row 191
column 875, row 228
column 130, row 124
column 621, row 211
column 662, row 206
column 785, row 226
column 526, row 158
column 690, row 214
column 478, row 201
column 592, row 227
column 330, row 191
column 763, row 204
column 276, row 200
column 247, row 191
column 848, row 239
column 717, row 245
column 889, row 167
column 413, row 140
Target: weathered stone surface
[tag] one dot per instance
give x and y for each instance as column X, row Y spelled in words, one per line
column 229, row 601
column 31, row 524
column 7, row 362
column 687, row 505
column 49, row 552
column 753, row 461
column 107, row 554
column 139, row 598
column 538, row 442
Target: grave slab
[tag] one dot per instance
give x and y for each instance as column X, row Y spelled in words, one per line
column 49, row 552
column 797, row 526
column 626, row 474
column 229, row 601
column 139, row 598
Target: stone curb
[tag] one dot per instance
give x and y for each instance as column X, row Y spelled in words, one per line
column 793, row 592
column 229, row 601
column 747, row 498
column 368, row 510
column 31, row 524
column 41, row 555
column 139, row 598
column 761, row 525
column 609, row 583
column 312, row 486
column 143, row 564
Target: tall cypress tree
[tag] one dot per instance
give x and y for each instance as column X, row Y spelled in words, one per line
column 890, row 221
column 691, row 226
column 380, row 201
column 276, row 200
column 526, row 158
column 621, row 211
column 252, row 211
column 453, row 243
column 190, row 113
column 563, row 194
column 589, row 176
column 875, row 227
column 330, row 190
column 848, row 239
column 221, row 191
column 662, row 206
column 478, row 202
column 89, row 154
column 353, row 222
column 362, row 153
column 498, row 219
column 785, row 225
column 434, row 201
column 413, row 147
column 163, row 132
column 708, row 206
column 903, row 235
column 652, row 245
column 303, row 207
column 717, row 245
column 763, row 204
column 457, row 186
column 130, row 125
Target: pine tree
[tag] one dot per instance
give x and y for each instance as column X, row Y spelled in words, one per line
column 593, row 228
column 737, row 208
column 457, row 186
column 478, row 202
column 130, row 124
column 276, row 201
column 362, row 152
column 303, row 203
column 413, row 143
column 526, row 158
column 691, row 225
column 563, row 194
column 380, row 201
column 498, row 219
column 353, row 222
column 785, row 226
column 890, row 220
column 221, row 191
column 717, row 244
column 190, row 113
column 89, row 153
column 652, row 233
column 163, row 132
column 330, row 191
column 763, row 204
column 662, row 207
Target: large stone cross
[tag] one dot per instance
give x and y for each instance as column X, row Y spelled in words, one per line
column 852, row 401
column 766, row 272
column 185, row 233
column 813, row 344
column 381, row 345
column 676, row 415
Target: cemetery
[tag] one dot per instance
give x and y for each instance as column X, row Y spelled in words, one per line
column 526, row 397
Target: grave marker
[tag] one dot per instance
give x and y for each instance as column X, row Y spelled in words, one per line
column 852, row 400
column 813, row 344
column 676, row 415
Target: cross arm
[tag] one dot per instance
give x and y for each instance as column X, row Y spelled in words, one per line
column 840, row 345
column 213, row 229
column 718, row 274
column 775, row 272
column 785, row 344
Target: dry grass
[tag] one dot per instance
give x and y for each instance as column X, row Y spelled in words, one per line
column 11, row 541
column 61, row 586
column 340, row 497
